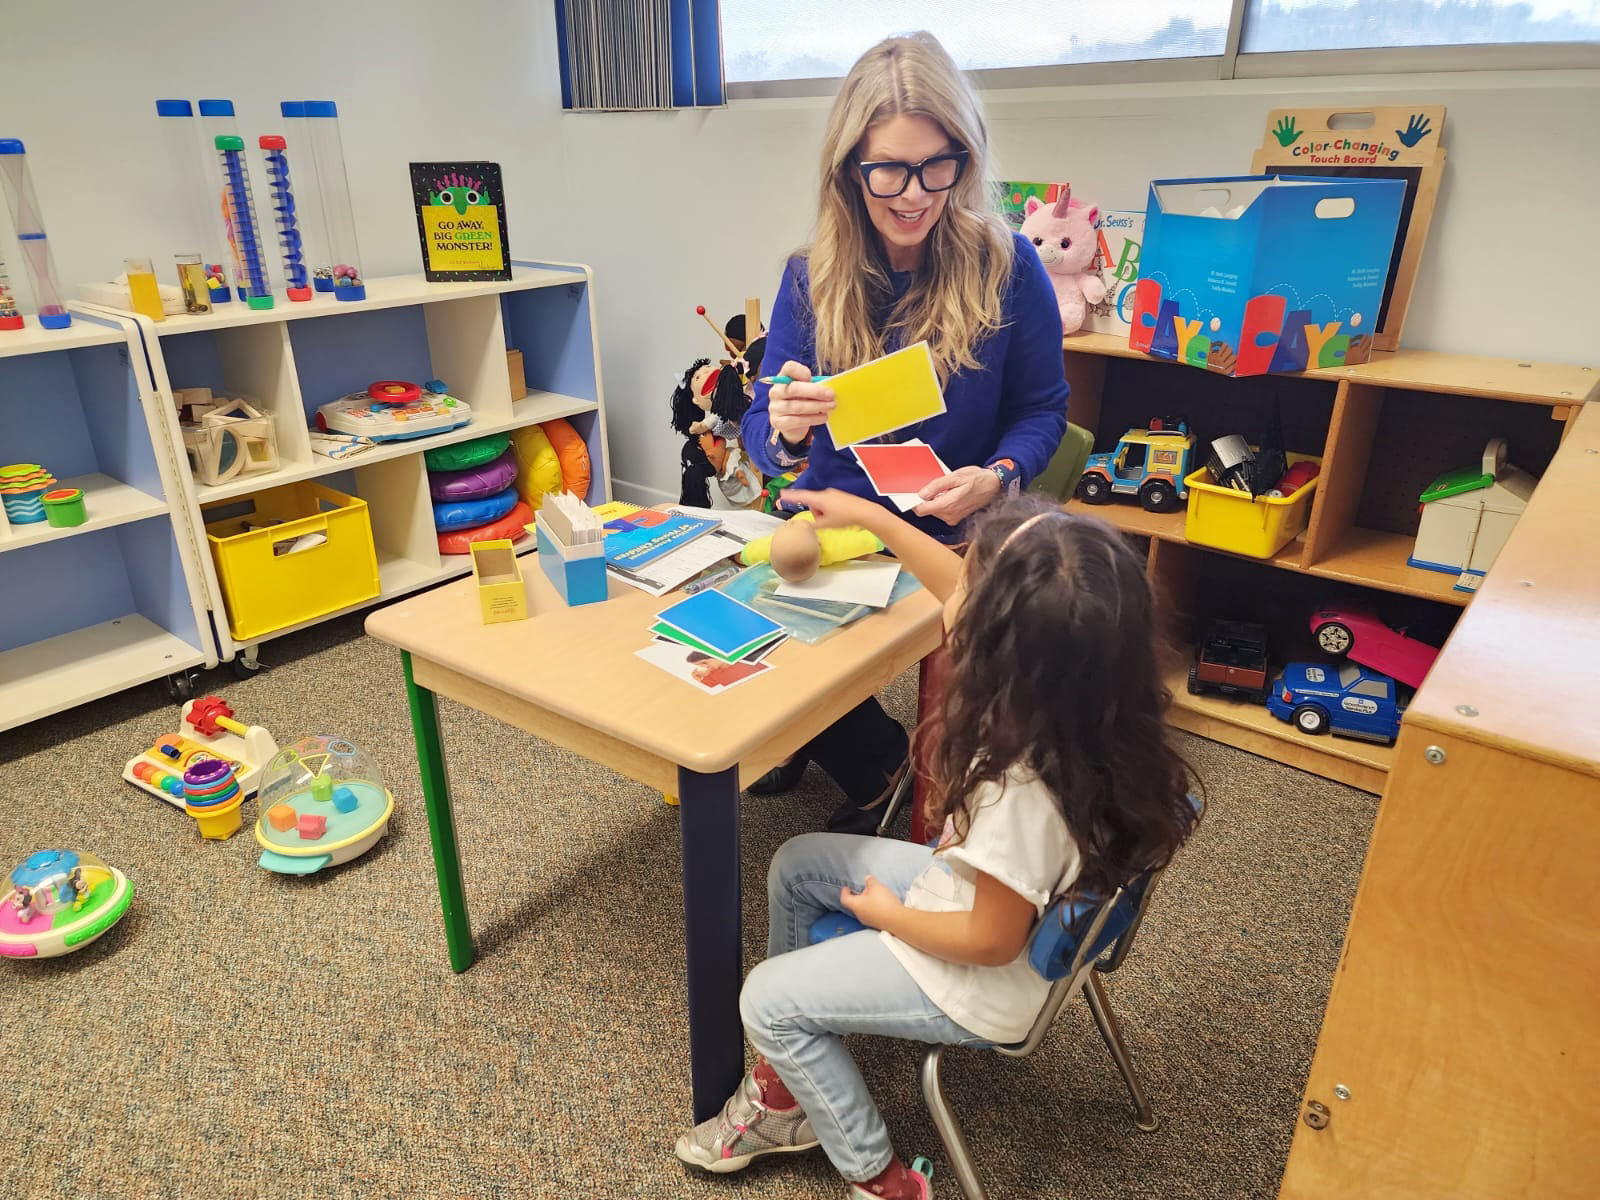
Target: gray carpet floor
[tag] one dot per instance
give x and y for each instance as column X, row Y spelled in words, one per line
column 245, row 1034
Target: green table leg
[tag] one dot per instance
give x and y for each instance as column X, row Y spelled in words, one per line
column 441, row 824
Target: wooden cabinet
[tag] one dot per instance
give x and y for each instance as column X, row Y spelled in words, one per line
column 1383, row 430
column 1460, row 1054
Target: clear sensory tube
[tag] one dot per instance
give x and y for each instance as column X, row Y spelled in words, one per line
column 349, row 283
column 36, row 256
column 202, row 217
column 10, row 314
column 308, row 199
column 275, row 151
column 244, row 231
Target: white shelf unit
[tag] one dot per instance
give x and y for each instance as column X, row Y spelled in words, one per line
column 293, row 358
column 91, row 609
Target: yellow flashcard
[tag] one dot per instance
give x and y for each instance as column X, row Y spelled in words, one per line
column 883, row 395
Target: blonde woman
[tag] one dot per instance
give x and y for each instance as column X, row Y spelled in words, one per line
column 908, row 249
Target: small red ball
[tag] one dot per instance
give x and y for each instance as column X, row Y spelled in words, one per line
column 700, row 310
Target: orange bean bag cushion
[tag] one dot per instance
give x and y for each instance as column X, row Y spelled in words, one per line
column 573, row 454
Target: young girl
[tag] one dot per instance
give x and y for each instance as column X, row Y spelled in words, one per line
column 1054, row 775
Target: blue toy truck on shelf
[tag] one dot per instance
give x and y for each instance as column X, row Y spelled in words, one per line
column 1337, row 697
column 1151, row 464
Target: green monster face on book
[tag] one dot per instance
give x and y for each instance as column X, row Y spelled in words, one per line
column 459, row 192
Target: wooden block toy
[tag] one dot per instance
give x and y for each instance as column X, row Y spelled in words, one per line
column 282, row 817
column 312, row 827
column 501, row 594
column 519, row 381
column 212, row 733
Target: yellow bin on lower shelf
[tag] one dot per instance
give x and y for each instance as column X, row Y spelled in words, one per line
column 271, row 578
column 1235, row 521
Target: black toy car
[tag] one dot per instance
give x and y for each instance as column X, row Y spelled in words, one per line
column 1232, row 658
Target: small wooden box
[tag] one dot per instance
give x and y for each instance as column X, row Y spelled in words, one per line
column 501, row 596
column 519, row 381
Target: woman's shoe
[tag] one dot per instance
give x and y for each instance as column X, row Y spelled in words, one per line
column 782, row 778
column 865, row 819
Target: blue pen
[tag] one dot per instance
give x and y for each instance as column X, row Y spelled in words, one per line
column 786, row 379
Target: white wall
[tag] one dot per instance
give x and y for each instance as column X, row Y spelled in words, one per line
column 700, row 207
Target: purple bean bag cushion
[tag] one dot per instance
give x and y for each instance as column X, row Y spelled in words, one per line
column 473, row 483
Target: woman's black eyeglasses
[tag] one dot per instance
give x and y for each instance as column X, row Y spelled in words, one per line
column 885, row 180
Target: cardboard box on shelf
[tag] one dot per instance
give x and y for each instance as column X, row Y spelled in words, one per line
column 1251, row 274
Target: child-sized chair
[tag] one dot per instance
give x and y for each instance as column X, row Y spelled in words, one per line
column 1065, row 948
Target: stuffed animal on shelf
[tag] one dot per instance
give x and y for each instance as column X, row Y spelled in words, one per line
column 707, row 407
column 1064, row 235
column 792, row 555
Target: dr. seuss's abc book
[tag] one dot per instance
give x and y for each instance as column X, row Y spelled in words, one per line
column 461, row 220
column 1121, row 234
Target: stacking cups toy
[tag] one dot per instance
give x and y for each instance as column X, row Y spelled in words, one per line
column 64, row 507
column 212, row 797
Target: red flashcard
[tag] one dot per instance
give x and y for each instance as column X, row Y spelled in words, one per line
column 899, row 469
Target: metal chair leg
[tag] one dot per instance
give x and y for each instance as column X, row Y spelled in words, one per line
column 944, row 1120
column 897, row 798
column 1094, row 991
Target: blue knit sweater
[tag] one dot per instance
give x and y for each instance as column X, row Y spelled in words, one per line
column 1013, row 406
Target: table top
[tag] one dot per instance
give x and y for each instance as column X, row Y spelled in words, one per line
column 580, row 665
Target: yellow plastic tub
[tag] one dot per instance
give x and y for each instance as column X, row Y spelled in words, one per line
column 267, row 591
column 1257, row 526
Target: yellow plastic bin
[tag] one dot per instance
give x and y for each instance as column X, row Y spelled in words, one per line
column 267, row 590
column 1235, row 521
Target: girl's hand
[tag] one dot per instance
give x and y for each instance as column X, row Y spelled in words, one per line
column 956, row 496
column 793, row 408
column 874, row 905
column 834, row 509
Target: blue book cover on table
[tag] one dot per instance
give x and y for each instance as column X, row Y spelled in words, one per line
column 632, row 543
column 719, row 622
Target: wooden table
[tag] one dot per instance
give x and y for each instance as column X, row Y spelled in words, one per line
column 571, row 677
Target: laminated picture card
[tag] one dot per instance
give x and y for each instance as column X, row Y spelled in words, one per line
column 1250, row 274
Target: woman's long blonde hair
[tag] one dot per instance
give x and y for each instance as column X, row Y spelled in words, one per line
column 954, row 300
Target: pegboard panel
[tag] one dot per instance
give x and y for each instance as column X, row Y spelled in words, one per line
column 1235, row 589
column 1421, row 435
column 1136, row 390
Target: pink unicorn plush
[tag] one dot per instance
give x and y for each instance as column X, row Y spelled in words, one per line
column 1064, row 236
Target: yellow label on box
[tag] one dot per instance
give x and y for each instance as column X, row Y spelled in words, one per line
column 462, row 241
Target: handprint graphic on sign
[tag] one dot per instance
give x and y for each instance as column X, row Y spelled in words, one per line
column 1416, row 129
column 1286, row 133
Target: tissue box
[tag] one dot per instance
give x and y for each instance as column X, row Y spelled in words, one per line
column 579, row 572
column 1251, row 274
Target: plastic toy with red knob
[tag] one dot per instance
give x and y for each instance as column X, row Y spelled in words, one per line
column 213, row 734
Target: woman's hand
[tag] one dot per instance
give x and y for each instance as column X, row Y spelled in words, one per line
column 956, row 496
column 793, row 408
column 835, row 509
column 874, row 905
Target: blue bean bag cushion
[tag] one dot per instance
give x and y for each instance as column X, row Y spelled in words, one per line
column 449, row 515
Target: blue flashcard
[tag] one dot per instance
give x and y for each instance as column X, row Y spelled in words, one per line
column 719, row 621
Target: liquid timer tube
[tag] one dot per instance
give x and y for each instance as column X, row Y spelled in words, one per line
column 10, row 314
column 349, row 283
column 313, row 224
column 36, row 257
column 244, row 232
column 188, row 178
column 274, row 150
column 216, row 120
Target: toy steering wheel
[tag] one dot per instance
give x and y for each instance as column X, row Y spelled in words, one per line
column 393, row 391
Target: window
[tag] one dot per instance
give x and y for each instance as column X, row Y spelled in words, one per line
column 819, row 39
column 1372, row 687
column 1279, row 25
column 773, row 47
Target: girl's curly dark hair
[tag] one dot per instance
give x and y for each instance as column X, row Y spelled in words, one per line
column 684, row 411
column 1054, row 669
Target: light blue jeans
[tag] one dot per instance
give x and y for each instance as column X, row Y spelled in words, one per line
column 798, row 1004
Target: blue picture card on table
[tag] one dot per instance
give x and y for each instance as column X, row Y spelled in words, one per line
column 720, row 622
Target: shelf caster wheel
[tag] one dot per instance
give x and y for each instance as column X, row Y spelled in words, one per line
column 180, row 687
column 246, row 665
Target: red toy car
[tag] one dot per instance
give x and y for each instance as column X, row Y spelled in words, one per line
column 1358, row 635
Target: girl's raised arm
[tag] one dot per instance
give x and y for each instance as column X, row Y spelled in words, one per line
column 936, row 565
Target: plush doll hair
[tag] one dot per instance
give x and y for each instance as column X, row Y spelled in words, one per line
column 734, row 329
column 754, row 353
column 684, row 410
column 728, row 400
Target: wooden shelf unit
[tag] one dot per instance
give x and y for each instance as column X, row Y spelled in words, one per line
column 1393, row 424
column 291, row 359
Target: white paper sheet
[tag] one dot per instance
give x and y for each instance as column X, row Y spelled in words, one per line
column 867, row 583
column 742, row 522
